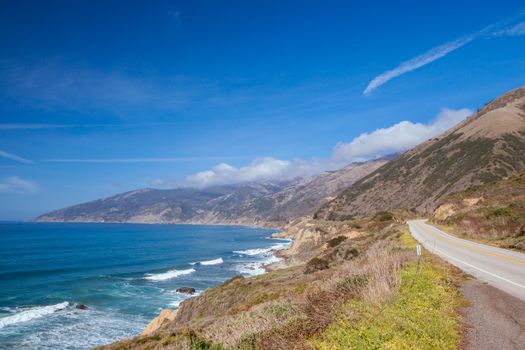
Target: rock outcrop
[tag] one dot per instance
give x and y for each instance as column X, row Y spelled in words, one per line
column 164, row 317
column 186, row 290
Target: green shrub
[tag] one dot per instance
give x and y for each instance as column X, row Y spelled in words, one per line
column 500, row 212
column 384, row 216
column 316, row 264
column 336, row 241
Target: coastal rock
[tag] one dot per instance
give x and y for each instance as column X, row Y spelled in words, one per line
column 164, row 316
column 81, row 307
column 186, row 290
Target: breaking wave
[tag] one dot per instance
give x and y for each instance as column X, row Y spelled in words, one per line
column 32, row 313
column 168, row 275
column 212, row 262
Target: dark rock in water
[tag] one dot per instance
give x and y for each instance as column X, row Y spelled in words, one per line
column 81, row 307
column 187, row 290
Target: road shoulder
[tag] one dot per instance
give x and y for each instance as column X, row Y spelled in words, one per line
column 493, row 320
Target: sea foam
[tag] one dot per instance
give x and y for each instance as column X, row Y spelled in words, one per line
column 31, row 314
column 168, row 275
column 252, row 252
column 212, row 262
column 264, row 251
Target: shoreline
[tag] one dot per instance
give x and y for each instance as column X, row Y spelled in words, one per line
column 170, row 314
column 280, row 228
column 263, row 255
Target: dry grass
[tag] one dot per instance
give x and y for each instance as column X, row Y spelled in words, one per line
column 285, row 308
column 497, row 218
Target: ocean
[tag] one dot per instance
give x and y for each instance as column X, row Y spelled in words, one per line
column 124, row 273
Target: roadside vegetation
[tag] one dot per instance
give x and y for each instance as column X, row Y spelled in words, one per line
column 421, row 314
column 361, row 288
column 492, row 213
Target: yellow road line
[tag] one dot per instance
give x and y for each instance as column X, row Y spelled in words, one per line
column 470, row 247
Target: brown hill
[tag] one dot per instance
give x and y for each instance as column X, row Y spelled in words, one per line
column 488, row 146
column 268, row 203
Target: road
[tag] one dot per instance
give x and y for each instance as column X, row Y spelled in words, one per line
column 501, row 268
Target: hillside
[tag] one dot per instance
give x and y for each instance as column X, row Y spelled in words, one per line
column 365, row 273
column 493, row 213
column 270, row 203
column 488, row 146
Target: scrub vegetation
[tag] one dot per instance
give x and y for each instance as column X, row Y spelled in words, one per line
column 493, row 213
column 375, row 297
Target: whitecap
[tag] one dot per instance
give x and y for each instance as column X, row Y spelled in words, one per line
column 212, row 262
column 252, row 252
column 31, row 314
column 168, row 275
column 250, row 268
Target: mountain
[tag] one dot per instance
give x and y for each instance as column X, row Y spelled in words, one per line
column 269, row 203
column 488, row 146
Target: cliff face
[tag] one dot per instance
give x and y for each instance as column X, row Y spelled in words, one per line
column 488, row 146
column 270, row 203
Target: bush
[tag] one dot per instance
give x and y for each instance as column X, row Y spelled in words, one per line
column 500, row 212
column 385, row 216
column 355, row 225
column 336, row 241
column 316, row 264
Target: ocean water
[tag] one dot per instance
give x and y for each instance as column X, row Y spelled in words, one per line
column 125, row 274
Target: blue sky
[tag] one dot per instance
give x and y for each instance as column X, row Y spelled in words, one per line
column 101, row 97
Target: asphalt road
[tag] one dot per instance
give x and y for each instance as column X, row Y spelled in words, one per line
column 501, row 268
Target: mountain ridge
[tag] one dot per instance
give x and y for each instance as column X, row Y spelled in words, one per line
column 260, row 204
column 487, row 146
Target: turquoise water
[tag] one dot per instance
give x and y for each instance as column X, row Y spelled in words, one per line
column 125, row 274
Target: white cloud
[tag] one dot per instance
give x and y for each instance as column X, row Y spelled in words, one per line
column 416, row 62
column 15, row 184
column 398, row 137
column 164, row 183
column 15, row 157
column 259, row 169
column 491, row 31
column 516, row 30
column 14, row 126
column 127, row 160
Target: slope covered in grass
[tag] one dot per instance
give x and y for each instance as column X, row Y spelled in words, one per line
column 325, row 305
column 492, row 213
column 423, row 315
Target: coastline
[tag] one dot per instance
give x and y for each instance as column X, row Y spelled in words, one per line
column 166, row 315
column 260, row 253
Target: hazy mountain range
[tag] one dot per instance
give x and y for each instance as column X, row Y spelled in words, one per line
column 488, row 146
column 265, row 203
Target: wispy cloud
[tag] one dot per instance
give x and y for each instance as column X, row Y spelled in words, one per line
column 416, row 62
column 15, row 184
column 29, row 126
column 494, row 30
column 15, row 157
column 164, row 183
column 53, row 85
column 17, row 126
column 134, row 160
column 396, row 138
column 518, row 29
